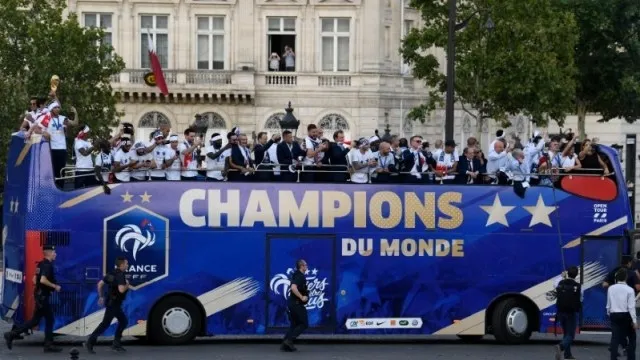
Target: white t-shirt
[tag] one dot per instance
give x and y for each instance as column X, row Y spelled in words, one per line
column 444, row 162
column 104, row 161
column 360, row 176
column 85, row 163
column 158, row 155
column 188, row 160
column 311, row 144
column 124, row 158
column 56, row 128
column 173, row 171
column 569, row 161
column 215, row 167
column 142, row 173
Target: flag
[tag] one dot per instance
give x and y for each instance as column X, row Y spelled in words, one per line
column 156, row 68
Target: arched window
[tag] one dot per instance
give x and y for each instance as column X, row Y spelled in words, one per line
column 272, row 125
column 150, row 122
column 407, row 127
column 214, row 123
column 333, row 122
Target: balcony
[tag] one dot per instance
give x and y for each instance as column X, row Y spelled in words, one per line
column 187, row 86
column 236, row 87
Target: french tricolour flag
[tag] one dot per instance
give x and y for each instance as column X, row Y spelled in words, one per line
column 156, row 68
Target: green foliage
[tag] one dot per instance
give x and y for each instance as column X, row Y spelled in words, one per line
column 608, row 57
column 524, row 65
column 36, row 42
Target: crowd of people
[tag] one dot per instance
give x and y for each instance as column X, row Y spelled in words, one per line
column 316, row 158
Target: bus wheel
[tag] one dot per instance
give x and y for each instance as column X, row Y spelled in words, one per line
column 470, row 338
column 510, row 322
column 174, row 321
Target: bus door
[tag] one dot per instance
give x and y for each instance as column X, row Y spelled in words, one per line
column 600, row 255
column 319, row 253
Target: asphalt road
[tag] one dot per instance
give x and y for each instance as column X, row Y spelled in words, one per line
column 443, row 348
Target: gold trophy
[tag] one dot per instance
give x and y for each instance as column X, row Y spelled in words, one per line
column 55, row 81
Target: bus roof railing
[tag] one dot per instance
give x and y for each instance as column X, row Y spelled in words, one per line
column 298, row 169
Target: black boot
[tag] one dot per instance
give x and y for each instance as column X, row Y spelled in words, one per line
column 89, row 346
column 117, row 346
column 8, row 339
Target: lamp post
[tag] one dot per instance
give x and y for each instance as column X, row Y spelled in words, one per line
column 200, row 126
column 451, row 61
column 289, row 121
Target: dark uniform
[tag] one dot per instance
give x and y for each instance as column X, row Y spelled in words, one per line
column 43, row 307
column 297, row 310
column 632, row 280
column 113, row 310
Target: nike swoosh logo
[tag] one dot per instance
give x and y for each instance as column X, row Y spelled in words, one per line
column 380, row 323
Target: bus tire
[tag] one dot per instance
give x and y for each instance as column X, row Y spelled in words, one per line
column 176, row 320
column 510, row 322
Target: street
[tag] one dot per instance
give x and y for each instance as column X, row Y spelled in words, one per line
column 449, row 348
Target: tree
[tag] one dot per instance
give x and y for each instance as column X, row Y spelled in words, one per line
column 608, row 59
column 38, row 41
column 523, row 65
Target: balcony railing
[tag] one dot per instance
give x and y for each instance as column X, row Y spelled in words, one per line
column 177, row 77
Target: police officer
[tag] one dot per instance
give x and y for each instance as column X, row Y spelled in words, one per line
column 298, row 298
column 118, row 287
column 45, row 281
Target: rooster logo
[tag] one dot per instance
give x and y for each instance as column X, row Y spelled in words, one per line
column 135, row 233
column 281, row 281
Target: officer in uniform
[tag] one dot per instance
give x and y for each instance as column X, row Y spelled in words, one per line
column 118, row 287
column 45, row 280
column 298, row 298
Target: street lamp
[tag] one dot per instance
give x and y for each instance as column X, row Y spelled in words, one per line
column 200, row 125
column 451, row 60
column 289, row 121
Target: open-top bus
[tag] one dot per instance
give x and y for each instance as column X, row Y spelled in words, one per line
column 214, row 258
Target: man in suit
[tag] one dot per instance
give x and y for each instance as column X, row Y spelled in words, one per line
column 338, row 158
column 259, row 152
column 288, row 153
column 240, row 162
column 414, row 163
column 469, row 168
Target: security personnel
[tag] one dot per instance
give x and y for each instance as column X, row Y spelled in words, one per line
column 621, row 308
column 45, row 280
column 298, row 298
column 632, row 280
column 118, row 287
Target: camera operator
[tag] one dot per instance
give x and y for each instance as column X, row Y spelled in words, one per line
column 591, row 162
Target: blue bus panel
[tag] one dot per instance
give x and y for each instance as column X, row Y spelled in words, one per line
column 383, row 259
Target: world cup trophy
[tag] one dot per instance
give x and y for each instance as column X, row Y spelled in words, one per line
column 55, row 81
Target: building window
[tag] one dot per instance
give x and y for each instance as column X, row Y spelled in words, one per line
column 148, row 123
column 333, row 122
column 335, row 44
column 214, row 123
column 272, row 125
column 211, row 43
column 103, row 21
column 156, row 26
column 281, row 36
column 408, row 25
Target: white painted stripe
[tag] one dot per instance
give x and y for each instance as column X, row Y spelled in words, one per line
column 14, row 306
column 599, row 231
column 216, row 300
column 474, row 324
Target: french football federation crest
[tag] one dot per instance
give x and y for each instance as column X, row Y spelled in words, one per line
column 142, row 237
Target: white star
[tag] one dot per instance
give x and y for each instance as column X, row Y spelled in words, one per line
column 315, row 271
column 11, row 206
column 306, row 272
column 497, row 212
column 540, row 213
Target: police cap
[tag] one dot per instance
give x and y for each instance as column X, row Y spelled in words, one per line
column 49, row 247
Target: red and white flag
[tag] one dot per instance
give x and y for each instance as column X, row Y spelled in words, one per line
column 157, row 68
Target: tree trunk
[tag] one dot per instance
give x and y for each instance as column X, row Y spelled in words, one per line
column 582, row 116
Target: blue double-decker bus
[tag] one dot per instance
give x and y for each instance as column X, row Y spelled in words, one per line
column 215, row 258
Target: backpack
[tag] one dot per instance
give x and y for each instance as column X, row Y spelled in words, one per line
column 568, row 294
